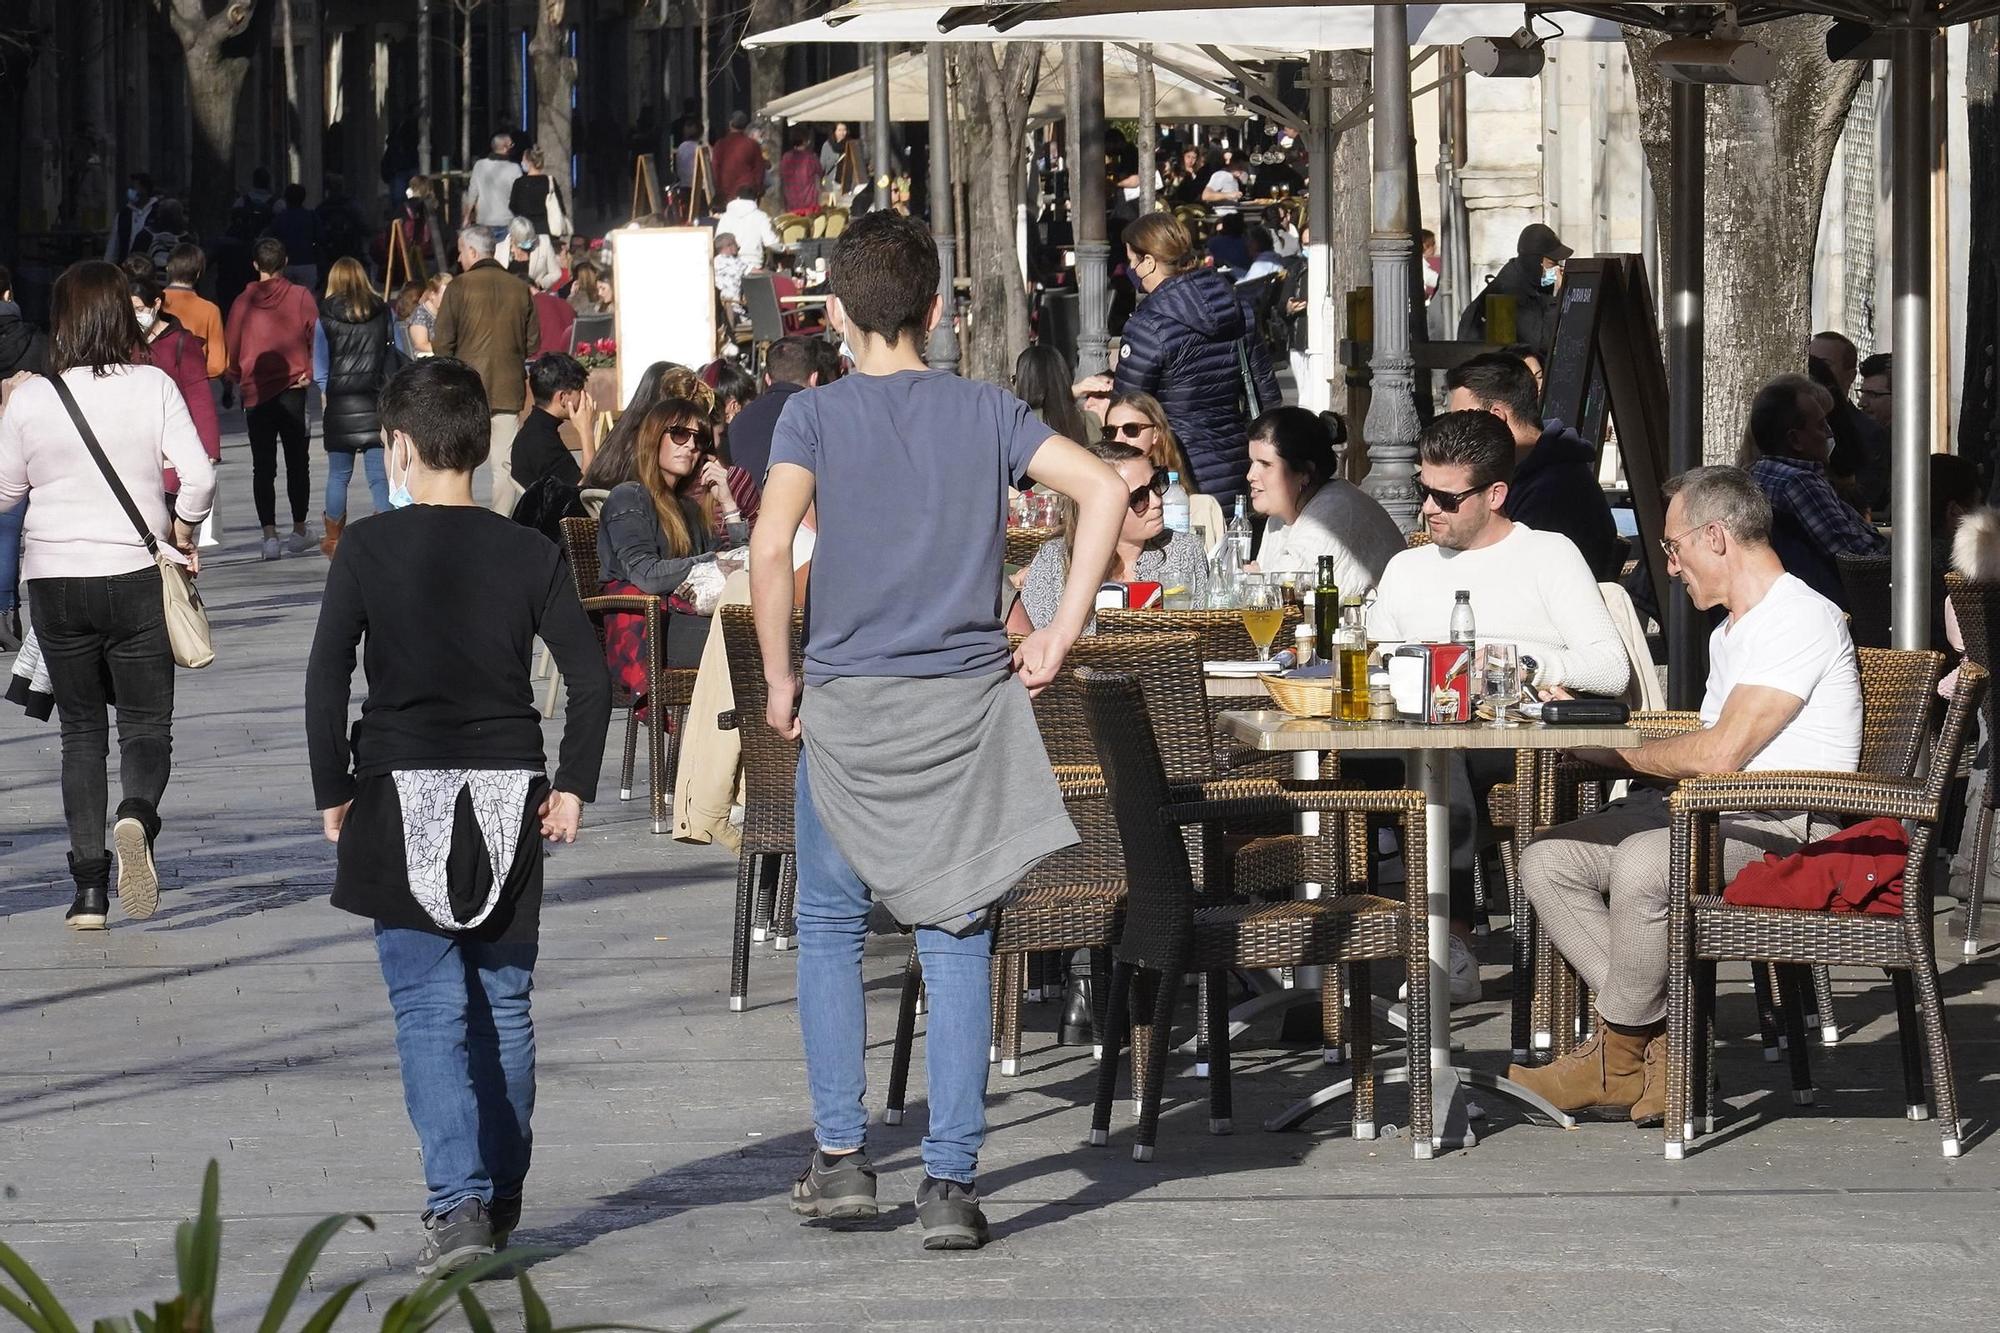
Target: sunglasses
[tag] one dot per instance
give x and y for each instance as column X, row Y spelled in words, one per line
column 1131, row 430
column 1143, row 495
column 1447, row 501
column 682, row 435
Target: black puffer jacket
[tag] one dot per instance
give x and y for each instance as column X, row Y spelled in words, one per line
column 1180, row 346
column 22, row 345
column 357, row 357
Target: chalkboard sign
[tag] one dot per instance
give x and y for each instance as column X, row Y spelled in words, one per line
column 1572, row 368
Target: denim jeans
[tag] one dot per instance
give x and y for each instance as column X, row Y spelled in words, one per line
column 833, row 926
column 105, row 639
column 340, row 471
column 466, row 1042
column 10, row 553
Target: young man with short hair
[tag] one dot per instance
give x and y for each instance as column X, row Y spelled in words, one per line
column 789, row 368
column 556, row 381
column 270, row 340
column 197, row 314
column 1876, row 397
column 923, row 781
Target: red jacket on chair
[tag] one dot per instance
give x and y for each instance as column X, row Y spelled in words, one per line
column 1859, row 869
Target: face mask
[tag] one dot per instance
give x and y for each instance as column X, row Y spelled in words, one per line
column 132, row 194
column 1548, row 279
column 399, row 493
column 147, row 319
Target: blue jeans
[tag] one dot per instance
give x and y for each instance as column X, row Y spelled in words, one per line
column 340, row 470
column 10, row 553
column 833, row 925
column 466, row 1043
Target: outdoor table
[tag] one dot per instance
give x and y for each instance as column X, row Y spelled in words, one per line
column 1427, row 751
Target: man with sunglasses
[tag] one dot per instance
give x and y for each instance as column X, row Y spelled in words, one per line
column 1528, row 588
column 1784, row 692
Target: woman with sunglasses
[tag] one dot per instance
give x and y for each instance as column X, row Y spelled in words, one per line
column 1146, row 551
column 1309, row 511
column 1137, row 419
column 654, row 531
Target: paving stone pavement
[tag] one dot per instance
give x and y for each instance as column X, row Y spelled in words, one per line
column 246, row 1022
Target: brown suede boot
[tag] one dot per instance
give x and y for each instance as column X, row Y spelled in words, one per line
column 1600, row 1079
column 1651, row 1108
column 331, row 537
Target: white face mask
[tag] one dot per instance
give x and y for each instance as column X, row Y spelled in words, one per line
column 146, row 318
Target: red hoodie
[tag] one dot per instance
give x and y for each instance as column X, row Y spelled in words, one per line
column 270, row 334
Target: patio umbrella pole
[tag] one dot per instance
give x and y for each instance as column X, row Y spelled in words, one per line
column 1316, row 393
column 1392, row 409
column 882, row 168
column 944, row 338
column 1149, row 129
column 1687, row 195
column 1087, row 209
column 1910, row 265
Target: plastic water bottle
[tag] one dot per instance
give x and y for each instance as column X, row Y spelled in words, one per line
column 1175, row 505
column 1461, row 618
column 1239, row 534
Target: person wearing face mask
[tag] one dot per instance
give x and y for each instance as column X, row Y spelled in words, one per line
column 439, row 803
column 166, row 344
column 1532, row 278
column 133, row 216
column 1186, row 345
column 1810, row 524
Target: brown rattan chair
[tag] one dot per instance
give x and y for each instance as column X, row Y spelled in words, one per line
column 1170, row 930
column 1417, row 536
column 672, row 691
column 1022, row 543
column 1977, row 606
column 1865, row 581
column 766, row 873
column 1705, row 929
column 1221, row 638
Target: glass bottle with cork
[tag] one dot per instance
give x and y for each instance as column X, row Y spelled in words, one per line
column 1326, row 618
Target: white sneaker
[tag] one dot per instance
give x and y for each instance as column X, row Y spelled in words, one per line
column 1464, row 970
column 270, row 548
column 301, row 542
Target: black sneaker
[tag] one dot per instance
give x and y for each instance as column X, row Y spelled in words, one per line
column 506, row 1217
column 132, row 839
column 836, row 1188
column 91, row 908
column 949, row 1214
column 454, row 1239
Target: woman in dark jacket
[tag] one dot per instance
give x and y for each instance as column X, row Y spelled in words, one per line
column 1186, row 345
column 168, row 346
column 653, row 532
column 351, row 362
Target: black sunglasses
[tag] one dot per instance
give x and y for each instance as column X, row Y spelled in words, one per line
column 681, row 435
column 1143, row 495
column 1447, row 501
column 1131, row 430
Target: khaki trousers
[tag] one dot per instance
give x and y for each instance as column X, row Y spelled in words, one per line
column 1601, row 888
column 711, row 764
column 504, row 427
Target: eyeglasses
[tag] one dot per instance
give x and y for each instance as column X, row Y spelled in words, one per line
column 1671, row 546
column 1448, row 501
column 1143, row 495
column 1131, row 430
column 683, row 435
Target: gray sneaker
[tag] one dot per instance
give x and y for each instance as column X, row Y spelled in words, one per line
column 454, row 1239
column 949, row 1214
column 836, row 1188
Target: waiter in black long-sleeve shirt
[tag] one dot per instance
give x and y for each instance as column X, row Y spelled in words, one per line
column 440, row 802
column 556, row 383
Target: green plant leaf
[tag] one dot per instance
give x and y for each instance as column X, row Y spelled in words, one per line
column 475, row 1313
column 299, row 1266
column 112, row 1325
column 199, row 1316
column 433, row 1297
column 30, row 1318
column 54, row 1318
column 323, row 1318
column 534, row 1311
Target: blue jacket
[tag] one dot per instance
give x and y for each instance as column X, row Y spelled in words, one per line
column 1180, row 346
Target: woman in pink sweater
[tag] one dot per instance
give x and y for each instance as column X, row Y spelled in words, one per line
column 92, row 587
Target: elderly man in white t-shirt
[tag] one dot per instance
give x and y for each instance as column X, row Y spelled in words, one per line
column 1784, row 692
column 1528, row 588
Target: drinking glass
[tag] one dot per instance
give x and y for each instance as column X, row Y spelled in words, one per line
column 1263, row 609
column 1500, row 680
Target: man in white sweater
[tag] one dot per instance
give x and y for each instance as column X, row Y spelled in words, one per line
column 1528, row 588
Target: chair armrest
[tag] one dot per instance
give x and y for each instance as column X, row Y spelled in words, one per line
column 1080, row 782
column 1230, row 799
column 1813, row 792
column 1658, row 722
column 621, row 601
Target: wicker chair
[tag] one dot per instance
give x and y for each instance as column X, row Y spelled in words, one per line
column 1977, row 606
column 1221, row 638
column 1865, row 580
column 1022, row 543
column 1705, row 929
column 673, row 689
column 766, row 873
column 1418, row 536
column 1171, row 931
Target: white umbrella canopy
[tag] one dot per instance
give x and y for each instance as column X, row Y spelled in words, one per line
column 851, row 97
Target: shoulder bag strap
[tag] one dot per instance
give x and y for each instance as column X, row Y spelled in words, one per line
column 104, row 466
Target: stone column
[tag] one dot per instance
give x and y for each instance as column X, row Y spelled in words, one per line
column 1392, row 407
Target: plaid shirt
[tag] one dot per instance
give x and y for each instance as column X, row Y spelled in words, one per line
column 1799, row 487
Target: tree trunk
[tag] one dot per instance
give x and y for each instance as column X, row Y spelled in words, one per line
column 465, row 8
column 555, row 78
column 1979, row 401
column 293, row 130
column 216, row 64
column 1767, row 157
column 706, row 56
column 999, row 86
column 767, row 63
column 423, row 91
column 1348, row 245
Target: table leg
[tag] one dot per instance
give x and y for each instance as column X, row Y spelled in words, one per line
column 1451, row 1128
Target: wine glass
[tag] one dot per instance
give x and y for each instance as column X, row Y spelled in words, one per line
column 1262, row 606
column 1500, row 680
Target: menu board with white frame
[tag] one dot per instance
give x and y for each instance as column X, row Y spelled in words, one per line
column 664, row 305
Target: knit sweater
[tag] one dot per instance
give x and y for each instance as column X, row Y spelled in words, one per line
column 75, row 527
column 1530, row 589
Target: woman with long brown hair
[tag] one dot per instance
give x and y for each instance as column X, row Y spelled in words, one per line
column 351, row 363
column 654, row 531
